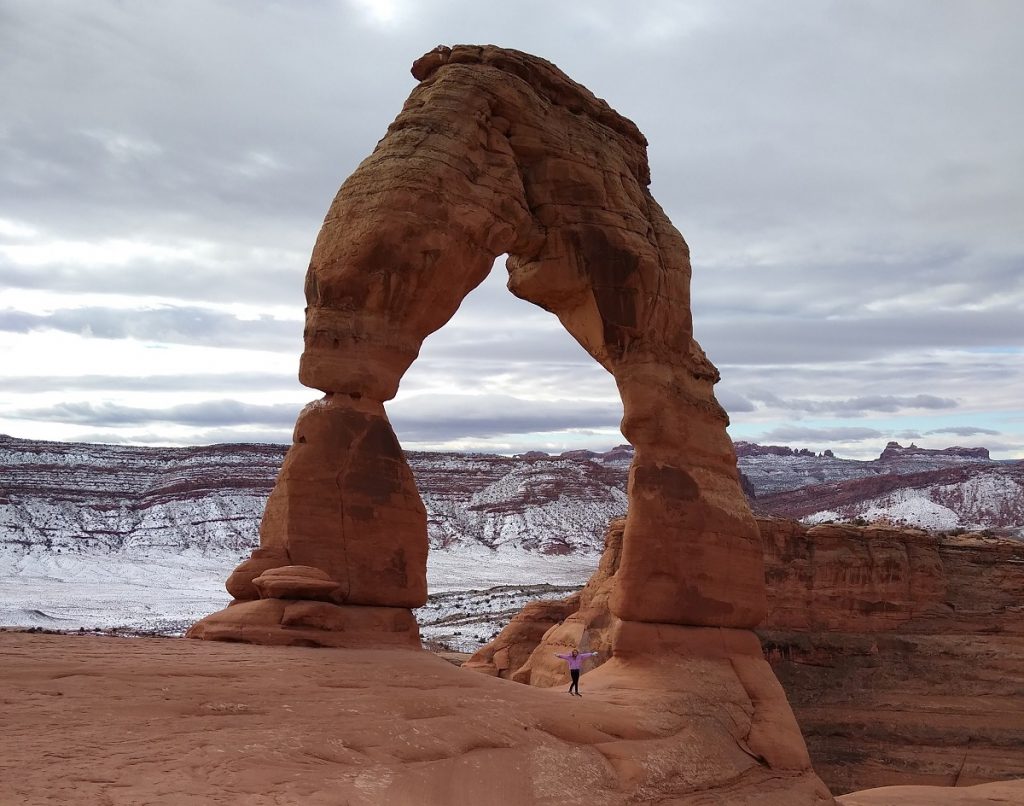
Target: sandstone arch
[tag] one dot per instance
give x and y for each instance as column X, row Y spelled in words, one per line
column 494, row 151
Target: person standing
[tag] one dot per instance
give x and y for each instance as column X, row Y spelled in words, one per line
column 575, row 661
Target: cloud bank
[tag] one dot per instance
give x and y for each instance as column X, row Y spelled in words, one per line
column 850, row 180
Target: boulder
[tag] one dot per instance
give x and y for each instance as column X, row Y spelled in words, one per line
column 296, row 582
column 239, row 584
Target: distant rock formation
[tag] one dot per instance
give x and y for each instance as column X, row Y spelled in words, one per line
column 974, row 494
column 499, row 152
column 893, row 450
column 902, row 651
column 65, row 497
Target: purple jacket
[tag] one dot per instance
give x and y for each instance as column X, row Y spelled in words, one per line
column 574, row 663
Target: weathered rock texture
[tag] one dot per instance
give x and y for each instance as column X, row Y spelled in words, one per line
column 582, row 621
column 901, row 651
column 499, row 152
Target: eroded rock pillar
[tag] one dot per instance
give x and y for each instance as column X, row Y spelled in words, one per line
column 691, row 551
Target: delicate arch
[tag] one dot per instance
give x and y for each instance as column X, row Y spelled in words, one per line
column 496, row 151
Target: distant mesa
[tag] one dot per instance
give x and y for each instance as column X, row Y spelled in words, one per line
column 894, row 450
column 753, row 449
column 110, row 498
column 620, row 453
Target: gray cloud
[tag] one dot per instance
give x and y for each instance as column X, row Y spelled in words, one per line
column 796, row 340
column 963, row 431
column 855, row 406
column 796, row 434
column 438, row 418
column 172, row 325
column 733, row 402
column 429, row 418
column 247, row 381
column 243, row 276
column 850, row 181
column 200, row 415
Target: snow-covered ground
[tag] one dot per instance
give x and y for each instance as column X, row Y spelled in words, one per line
column 164, row 592
column 157, row 592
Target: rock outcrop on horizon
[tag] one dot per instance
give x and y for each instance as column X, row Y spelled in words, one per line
column 499, row 152
column 901, row 651
column 980, row 495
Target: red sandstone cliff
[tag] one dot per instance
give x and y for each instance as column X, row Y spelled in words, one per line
column 901, row 651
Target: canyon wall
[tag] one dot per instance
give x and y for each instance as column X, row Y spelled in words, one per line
column 901, row 651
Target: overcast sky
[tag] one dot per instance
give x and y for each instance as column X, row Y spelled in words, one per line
column 849, row 176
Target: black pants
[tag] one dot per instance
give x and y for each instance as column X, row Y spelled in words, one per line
column 575, row 684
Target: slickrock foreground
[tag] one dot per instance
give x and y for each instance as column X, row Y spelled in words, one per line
column 90, row 720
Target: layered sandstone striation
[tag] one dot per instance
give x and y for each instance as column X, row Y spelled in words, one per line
column 901, row 651
column 500, row 152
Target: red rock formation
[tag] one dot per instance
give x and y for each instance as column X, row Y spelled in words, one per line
column 893, row 451
column 657, row 657
column 499, row 152
column 560, row 626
